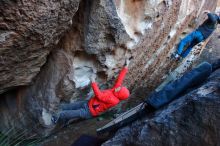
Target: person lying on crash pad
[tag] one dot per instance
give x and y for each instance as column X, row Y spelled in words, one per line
column 99, row 103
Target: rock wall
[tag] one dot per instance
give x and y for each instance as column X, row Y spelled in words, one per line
column 29, row 31
column 191, row 120
column 83, row 38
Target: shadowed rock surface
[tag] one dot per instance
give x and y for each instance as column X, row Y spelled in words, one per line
column 191, row 120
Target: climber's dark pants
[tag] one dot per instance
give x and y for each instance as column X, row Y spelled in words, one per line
column 174, row 89
column 78, row 109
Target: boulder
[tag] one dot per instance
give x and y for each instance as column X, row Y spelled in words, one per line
column 192, row 120
column 28, row 32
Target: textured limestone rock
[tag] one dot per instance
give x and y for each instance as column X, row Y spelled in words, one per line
column 28, row 31
column 152, row 60
column 102, row 35
column 191, row 120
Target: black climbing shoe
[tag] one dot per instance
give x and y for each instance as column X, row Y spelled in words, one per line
column 149, row 108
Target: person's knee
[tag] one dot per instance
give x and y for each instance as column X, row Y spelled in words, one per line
column 84, row 114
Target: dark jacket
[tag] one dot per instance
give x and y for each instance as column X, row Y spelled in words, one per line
column 209, row 25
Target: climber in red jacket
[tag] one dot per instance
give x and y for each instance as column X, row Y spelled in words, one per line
column 99, row 103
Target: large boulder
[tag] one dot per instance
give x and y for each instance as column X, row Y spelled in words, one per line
column 28, row 31
column 191, row 120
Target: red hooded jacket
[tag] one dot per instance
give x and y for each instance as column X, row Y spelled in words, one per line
column 106, row 99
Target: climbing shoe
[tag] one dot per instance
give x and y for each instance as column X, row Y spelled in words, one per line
column 54, row 119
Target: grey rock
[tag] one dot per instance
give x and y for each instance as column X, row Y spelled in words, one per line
column 104, row 30
column 191, row 120
column 28, row 32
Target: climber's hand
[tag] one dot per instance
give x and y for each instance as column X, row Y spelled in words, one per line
column 127, row 61
column 92, row 78
column 177, row 56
